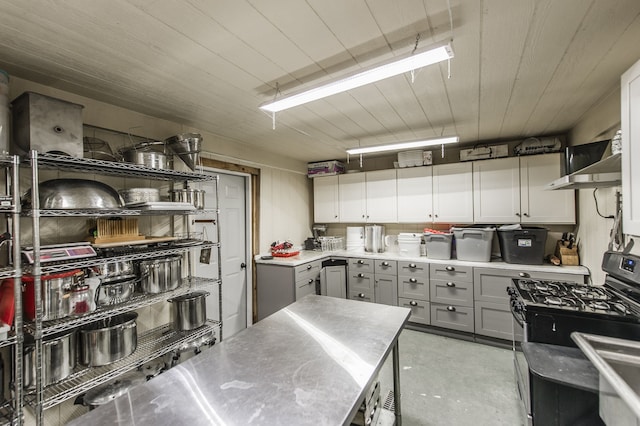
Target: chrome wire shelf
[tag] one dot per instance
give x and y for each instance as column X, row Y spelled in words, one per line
column 102, row 167
column 117, row 212
column 137, row 301
column 151, row 345
column 7, row 272
column 10, row 340
column 7, row 414
column 132, row 255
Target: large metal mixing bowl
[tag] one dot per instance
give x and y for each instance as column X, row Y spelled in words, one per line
column 75, row 194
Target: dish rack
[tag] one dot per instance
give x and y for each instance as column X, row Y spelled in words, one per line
column 331, row 243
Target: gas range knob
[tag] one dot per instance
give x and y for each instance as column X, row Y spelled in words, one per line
column 511, row 291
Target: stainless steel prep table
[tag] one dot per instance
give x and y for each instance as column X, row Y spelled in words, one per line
column 309, row 363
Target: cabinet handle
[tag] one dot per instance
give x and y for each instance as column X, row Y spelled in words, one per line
column 413, row 303
column 363, row 216
column 429, row 214
column 309, row 267
column 436, row 215
column 450, row 268
column 335, row 217
column 451, row 308
column 518, row 214
column 523, row 275
column 311, row 281
column 450, row 284
column 360, row 262
column 413, row 280
column 360, row 275
column 413, row 265
column 526, row 214
column 385, row 263
column 361, row 295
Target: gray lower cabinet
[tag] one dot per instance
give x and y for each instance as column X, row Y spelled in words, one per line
column 491, row 301
column 373, row 281
column 279, row 286
column 360, row 281
column 413, row 290
column 451, row 296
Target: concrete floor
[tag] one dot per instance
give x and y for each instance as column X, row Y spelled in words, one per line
column 447, row 381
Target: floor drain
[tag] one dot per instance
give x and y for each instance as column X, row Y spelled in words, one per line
column 389, row 402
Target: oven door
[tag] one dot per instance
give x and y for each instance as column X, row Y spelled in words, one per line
column 521, row 368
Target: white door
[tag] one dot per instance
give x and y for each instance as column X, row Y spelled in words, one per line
column 496, row 190
column 234, row 252
column 381, row 196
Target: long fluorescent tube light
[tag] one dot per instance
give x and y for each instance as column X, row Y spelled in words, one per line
column 403, row 145
column 430, row 55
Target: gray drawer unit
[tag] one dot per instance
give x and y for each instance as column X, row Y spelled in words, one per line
column 420, row 310
column 363, row 296
column 452, row 316
column 307, row 271
column 491, row 319
column 444, row 271
column 361, row 281
column 304, row 287
column 451, row 292
column 413, row 269
column 388, row 267
column 361, row 265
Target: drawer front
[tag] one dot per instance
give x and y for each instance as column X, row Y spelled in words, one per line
column 420, row 310
column 388, row 267
column 307, row 270
column 360, row 265
column 452, row 316
column 363, row 296
column 361, row 281
column 305, row 287
column 451, row 292
column 413, row 287
column 445, row 271
column 494, row 320
column 413, row 269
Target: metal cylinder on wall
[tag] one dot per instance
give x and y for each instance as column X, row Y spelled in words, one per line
column 4, row 111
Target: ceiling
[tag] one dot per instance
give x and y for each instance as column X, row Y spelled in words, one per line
column 521, row 68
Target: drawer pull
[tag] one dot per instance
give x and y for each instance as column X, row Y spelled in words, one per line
column 311, row 281
column 361, row 295
column 385, row 263
column 413, row 303
column 309, row 267
column 413, row 266
column 360, row 275
column 450, row 284
column 451, row 308
column 450, row 268
column 523, row 275
column 413, row 280
column 360, row 262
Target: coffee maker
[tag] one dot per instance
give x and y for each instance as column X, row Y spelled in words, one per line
column 318, row 232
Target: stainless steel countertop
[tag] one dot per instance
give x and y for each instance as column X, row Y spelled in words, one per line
column 309, row 363
column 310, row 255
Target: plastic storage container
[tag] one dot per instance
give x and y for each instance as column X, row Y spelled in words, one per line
column 438, row 245
column 474, row 243
column 525, row 246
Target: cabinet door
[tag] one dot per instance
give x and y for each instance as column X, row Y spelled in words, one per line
column 415, row 195
column 335, row 281
column 386, row 289
column 453, row 193
column 493, row 320
column 352, row 197
column 630, row 125
column 325, row 199
column 496, row 191
column 537, row 204
column 381, row 194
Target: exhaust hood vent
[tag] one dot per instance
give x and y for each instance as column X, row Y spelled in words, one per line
column 602, row 174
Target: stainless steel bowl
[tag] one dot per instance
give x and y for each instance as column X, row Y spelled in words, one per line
column 145, row 157
column 191, row 196
column 107, row 341
column 114, row 292
column 139, row 195
column 75, row 194
column 112, row 271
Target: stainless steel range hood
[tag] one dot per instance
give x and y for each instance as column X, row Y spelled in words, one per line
column 603, row 174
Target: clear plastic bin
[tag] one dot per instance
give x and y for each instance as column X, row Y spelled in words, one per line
column 438, row 245
column 474, row 243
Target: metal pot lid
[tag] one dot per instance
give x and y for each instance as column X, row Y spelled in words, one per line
column 103, row 394
column 120, row 279
column 190, row 296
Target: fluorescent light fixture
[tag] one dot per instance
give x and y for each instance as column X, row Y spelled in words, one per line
column 403, row 145
column 418, row 59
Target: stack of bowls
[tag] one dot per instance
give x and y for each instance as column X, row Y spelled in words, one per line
column 355, row 238
column 409, row 244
